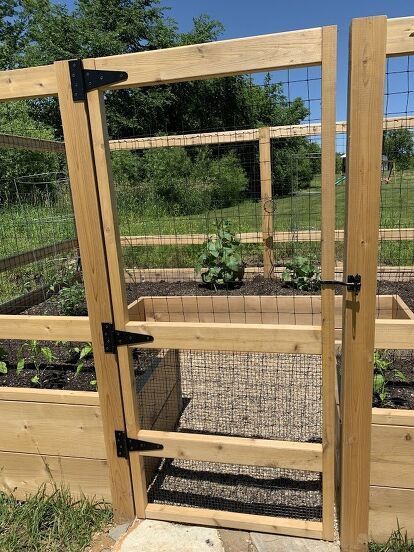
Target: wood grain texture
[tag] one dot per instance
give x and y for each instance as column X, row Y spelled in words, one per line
column 265, row 154
column 400, row 36
column 389, row 509
column 86, row 205
column 87, row 398
column 32, row 144
column 328, row 322
column 114, row 260
column 266, row 338
column 23, row 474
column 34, row 255
column 51, row 429
column 364, row 148
column 396, row 468
column 49, row 328
column 233, row 520
column 388, row 416
column 394, row 334
column 229, row 450
column 33, row 82
column 216, row 59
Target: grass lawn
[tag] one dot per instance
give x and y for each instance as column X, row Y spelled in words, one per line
column 56, row 523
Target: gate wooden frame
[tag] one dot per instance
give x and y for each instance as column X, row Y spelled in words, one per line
column 372, row 40
column 310, row 47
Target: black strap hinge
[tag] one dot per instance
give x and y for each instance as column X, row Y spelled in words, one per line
column 353, row 283
column 113, row 338
column 125, row 445
column 84, row 80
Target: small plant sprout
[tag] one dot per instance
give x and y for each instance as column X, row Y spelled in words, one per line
column 31, row 352
column 383, row 372
column 3, row 365
column 302, row 273
column 221, row 257
column 71, row 300
column 83, row 353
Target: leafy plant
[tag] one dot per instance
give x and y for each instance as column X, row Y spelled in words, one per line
column 302, row 273
column 36, row 355
column 3, row 365
column 71, row 300
column 83, row 353
column 221, row 257
column 383, row 372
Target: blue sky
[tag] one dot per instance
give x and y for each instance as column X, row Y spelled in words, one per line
column 248, row 17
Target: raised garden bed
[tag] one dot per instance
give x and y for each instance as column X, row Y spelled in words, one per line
column 392, row 473
column 55, row 437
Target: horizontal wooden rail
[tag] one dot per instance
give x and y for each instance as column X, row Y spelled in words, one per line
column 266, row 338
column 29, row 299
column 33, row 144
column 134, row 275
column 198, row 61
column 194, row 139
column 229, row 450
column 234, row 520
column 394, row 334
column 55, row 396
column 34, row 255
column 386, row 234
column 216, row 59
column 53, row 328
column 236, row 136
column 400, row 36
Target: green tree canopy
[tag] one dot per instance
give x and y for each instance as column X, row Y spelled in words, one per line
column 34, row 32
column 398, row 146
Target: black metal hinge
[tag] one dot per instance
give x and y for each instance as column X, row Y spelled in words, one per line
column 125, row 445
column 353, row 283
column 84, row 80
column 112, row 338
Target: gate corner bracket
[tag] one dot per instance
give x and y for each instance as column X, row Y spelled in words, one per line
column 125, row 445
column 85, row 80
column 113, row 338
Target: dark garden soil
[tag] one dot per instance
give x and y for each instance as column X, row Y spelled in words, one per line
column 62, row 372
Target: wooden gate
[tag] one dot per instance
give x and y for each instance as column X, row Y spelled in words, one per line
column 137, row 442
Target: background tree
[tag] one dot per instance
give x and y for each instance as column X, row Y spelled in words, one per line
column 398, row 146
column 40, row 31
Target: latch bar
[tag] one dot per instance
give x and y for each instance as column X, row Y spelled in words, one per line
column 353, row 283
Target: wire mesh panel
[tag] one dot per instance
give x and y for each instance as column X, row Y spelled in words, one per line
column 40, row 266
column 202, row 202
column 191, row 196
column 38, row 245
column 263, row 396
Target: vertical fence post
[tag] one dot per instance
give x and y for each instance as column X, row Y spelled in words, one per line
column 109, row 213
column 328, row 162
column 364, row 146
column 266, row 199
column 82, row 174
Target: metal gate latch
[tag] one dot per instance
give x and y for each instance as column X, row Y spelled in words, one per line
column 353, row 283
column 125, row 445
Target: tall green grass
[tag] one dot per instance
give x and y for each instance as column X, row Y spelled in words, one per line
column 50, row 523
